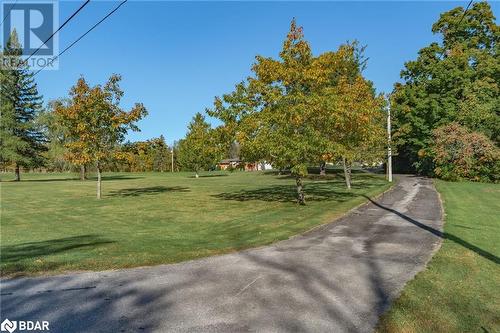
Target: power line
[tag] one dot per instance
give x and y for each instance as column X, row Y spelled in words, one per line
column 461, row 18
column 465, row 11
column 5, row 17
column 86, row 33
column 62, row 26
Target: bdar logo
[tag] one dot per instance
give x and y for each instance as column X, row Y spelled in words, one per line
column 8, row 325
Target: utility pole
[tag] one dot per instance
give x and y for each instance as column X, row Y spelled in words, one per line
column 389, row 151
column 172, row 151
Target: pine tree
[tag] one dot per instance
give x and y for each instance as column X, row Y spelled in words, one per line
column 198, row 150
column 21, row 142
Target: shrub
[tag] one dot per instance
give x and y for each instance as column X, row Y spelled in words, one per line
column 461, row 154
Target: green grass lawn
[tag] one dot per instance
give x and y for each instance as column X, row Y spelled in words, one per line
column 53, row 222
column 460, row 289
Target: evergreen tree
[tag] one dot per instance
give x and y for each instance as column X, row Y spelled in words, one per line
column 21, row 142
column 199, row 150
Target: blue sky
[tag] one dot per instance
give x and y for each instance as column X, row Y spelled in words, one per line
column 176, row 56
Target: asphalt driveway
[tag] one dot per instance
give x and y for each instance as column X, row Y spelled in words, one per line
column 337, row 278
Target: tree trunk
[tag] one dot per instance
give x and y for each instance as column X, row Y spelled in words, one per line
column 83, row 172
column 18, row 173
column 98, row 181
column 347, row 173
column 197, row 176
column 300, row 191
column 322, row 168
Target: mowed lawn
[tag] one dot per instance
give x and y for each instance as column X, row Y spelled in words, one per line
column 52, row 222
column 460, row 289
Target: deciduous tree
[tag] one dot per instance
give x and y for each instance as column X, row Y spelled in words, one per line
column 461, row 154
column 349, row 114
column 95, row 119
column 141, row 156
column 454, row 80
column 56, row 135
column 272, row 114
column 353, row 121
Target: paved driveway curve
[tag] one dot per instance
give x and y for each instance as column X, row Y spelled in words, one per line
column 338, row 278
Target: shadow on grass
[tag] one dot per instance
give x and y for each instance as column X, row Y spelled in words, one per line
column 209, row 176
column 328, row 176
column 89, row 179
column 15, row 257
column 312, row 172
column 44, row 180
column 134, row 192
column 444, row 235
column 324, row 191
column 115, row 177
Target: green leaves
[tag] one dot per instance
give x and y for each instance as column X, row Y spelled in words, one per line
column 299, row 109
column 201, row 149
column 455, row 80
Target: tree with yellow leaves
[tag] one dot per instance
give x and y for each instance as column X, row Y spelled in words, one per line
column 94, row 118
column 353, row 120
column 300, row 109
column 349, row 114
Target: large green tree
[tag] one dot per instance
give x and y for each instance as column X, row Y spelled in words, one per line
column 96, row 123
column 272, row 113
column 300, row 109
column 21, row 141
column 454, row 80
